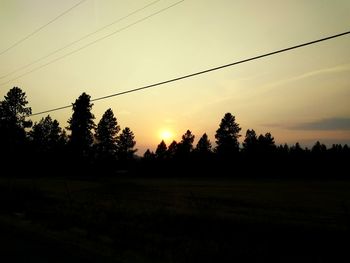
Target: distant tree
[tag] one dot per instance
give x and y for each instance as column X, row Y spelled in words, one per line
column 185, row 147
column 336, row 148
column 81, row 125
column 266, row 143
column 250, row 143
column 283, row 149
column 319, row 148
column 227, row 136
column 125, row 145
column 148, row 155
column 161, row 151
column 46, row 135
column 204, row 145
column 172, row 150
column 13, row 113
column 296, row 149
column 106, row 135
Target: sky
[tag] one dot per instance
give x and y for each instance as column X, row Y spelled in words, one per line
column 302, row 95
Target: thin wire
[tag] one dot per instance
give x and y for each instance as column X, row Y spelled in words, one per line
column 94, row 42
column 205, row 71
column 41, row 28
column 80, row 39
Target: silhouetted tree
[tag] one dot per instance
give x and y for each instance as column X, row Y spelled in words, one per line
column 266, row 143
column 204, row 145
column 283, row 149
column 185, row 147
column 250, row 143
column 148, row 155
column 336, row 148
column 172, row 150
column 296, row 150
column 125, row 145
column 346, row 150
column 161, row 151
column 227, row 136
column 81, row 125
column 46, row 135
column 106, row 135
column 13, row 113
column 319, row 148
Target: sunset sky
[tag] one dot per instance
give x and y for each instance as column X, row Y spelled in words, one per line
column 302, row 95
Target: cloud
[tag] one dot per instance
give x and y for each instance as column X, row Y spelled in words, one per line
column 331, row 70
column 324, row 124
column 327, row 124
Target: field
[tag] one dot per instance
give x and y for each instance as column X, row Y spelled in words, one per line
column 173, row 220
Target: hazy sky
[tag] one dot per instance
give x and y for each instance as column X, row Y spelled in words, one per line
column 302, row 95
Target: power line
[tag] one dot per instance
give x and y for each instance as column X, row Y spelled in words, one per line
column 80, row 39
column 204, row 71
column 42, row 27
column 94, row 42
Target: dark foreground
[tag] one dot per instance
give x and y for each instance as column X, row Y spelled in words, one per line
column 173, row 220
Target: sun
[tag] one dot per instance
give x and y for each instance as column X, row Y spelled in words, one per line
column 166, row 135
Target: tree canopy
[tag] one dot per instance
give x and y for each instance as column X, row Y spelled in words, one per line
column 13, row 114
column 106, row 134
column 81, row 125
column 227, row 136
column 125, row 144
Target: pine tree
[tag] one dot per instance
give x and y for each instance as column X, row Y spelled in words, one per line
column 126, row 144
column 46, row 135
column 227, row 136
column 106, row 134
column 204, row 145
column 161, row 150
column 185, row 147
column 81, row 125
column 13, row 113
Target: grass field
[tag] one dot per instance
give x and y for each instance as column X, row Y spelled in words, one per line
column 174, row 220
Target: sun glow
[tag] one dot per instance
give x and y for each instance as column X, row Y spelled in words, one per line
column 166, row 135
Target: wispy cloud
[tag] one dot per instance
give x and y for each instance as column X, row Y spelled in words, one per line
column 324, row 124
column 327, row 124
column 331, row 70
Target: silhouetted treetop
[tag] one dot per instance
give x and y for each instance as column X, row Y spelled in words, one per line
column 148, row 155
column 161, row 150
column 46, row 134
column 185, row 147
column 319, row 148
column 266, row 143
column 227, row 136
column 13, row 109
column 106, row 133
column 172, row 149
column 81, row 124
column 296, row 149
column 204, row 145
column 126, row 144
column 250, row 144
column 13, row 113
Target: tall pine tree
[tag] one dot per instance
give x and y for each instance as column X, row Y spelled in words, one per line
column 227, row 136
column 81, row 125
column 106, row 135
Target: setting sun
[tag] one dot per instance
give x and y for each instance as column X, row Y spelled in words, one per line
column 166, row 135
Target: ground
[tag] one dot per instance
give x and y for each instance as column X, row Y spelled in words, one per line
column 128, row 219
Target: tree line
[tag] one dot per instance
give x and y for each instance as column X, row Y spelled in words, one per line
column 107, row 146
